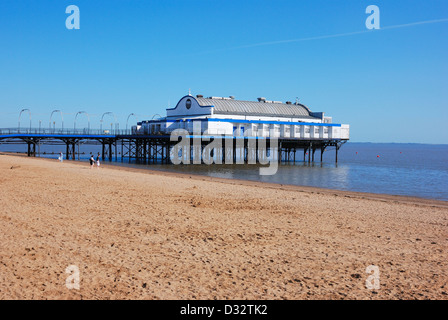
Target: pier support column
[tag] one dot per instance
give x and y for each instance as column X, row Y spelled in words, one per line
column 102, row 150
column 309, row 153
column 116, row 154
column 29, row 152
column 337, row 148
column 322, row 149
column 234, row 151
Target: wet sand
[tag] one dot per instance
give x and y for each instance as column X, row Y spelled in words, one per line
column 140, row 234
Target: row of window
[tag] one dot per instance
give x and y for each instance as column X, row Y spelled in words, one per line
column 154, row 128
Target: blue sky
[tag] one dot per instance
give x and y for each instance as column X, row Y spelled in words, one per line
column 141, row 56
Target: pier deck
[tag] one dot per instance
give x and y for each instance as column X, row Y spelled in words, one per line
column 157, row 148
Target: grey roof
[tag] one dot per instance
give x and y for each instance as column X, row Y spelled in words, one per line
column 255, row 108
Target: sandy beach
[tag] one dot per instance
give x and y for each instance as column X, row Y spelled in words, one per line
column 140, row 234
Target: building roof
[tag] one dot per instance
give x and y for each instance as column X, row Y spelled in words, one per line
column 255, row 108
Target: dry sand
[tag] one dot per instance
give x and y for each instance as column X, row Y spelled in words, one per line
column 138, row 234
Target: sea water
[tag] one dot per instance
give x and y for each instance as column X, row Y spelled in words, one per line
column 419, row 170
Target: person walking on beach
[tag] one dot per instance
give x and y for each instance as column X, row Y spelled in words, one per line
column 92, row 161
column 98, row 161
column 61, row 156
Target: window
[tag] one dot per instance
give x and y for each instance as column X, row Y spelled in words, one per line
column 188, row 104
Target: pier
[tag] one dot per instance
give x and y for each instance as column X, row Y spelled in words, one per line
column 123, row 145
column 198, row 130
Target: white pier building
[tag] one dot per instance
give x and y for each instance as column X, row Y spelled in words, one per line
column 262, row 118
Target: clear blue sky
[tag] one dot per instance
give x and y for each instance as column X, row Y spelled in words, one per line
column 140, row 56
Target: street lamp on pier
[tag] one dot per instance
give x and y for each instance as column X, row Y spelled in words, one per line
column 88, row 119
column 20, row 114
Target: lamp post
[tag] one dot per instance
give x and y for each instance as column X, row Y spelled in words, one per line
column 101, row 121
column 88, row 119
column 127, row 120
column 62, row 119
column 20, row 114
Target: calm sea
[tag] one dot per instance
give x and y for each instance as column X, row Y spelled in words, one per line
column 419, row 170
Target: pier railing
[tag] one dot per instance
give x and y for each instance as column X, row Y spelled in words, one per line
column 53, row 131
